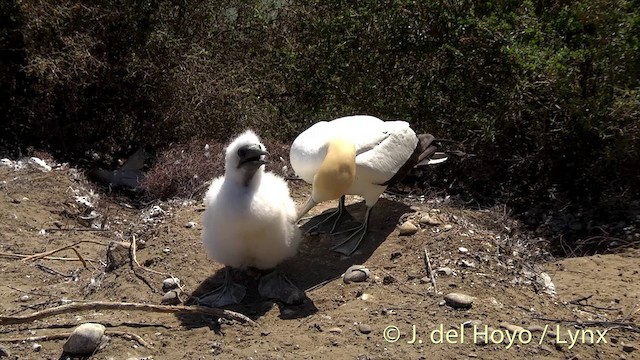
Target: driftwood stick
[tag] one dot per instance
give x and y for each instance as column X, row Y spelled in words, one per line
column 21, row 256
column 427, row 262
column 51, row 252
column 64, row 336
column 103, row 305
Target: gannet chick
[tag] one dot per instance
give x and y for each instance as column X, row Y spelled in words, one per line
column 249, row 222
column 356, row 155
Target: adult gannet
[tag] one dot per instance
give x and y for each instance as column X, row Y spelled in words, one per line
column 356, row 155
column 249, row 222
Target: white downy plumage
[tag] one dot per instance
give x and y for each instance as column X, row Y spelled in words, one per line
column 385, row 150
column 249, row 221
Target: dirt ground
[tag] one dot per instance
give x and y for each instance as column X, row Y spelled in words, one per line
column 501, row 268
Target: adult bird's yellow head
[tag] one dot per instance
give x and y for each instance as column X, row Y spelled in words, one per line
column 334, row 176
column 245, row 156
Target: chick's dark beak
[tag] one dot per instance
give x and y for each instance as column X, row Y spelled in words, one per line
column 251, row 154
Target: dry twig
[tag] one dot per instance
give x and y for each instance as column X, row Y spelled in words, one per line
column 427, row 262
column 64, row 336
column 71, row 246
column 102, row 305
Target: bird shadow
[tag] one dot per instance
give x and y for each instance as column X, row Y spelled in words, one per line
column 314, row 266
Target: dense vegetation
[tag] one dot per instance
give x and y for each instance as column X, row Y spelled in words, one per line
column 546, row 93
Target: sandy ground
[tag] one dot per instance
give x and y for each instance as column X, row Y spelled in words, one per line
column 500, row 269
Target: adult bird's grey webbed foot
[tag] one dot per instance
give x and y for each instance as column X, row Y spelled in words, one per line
column 349, row 240
column 276, row 285
column 228, row 293
column 317, row 222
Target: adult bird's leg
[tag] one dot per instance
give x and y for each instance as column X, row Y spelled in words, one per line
column 276, row 285
column 228, row 293
column 337, row 215
column 350, row 239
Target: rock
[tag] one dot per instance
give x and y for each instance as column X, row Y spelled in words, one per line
column 459, row 300
column 428, row 220
column 535, row 328
column 442, row 303
column 166, row 250
column 412, row 275
column 447, row 227
column 265, row 332
column 407, row 229
column 171, row 297
column 36, row 347
column 388, row 280
column 425, row 280
column 469, row 264
column 463, row 250
column 117, row 255
column 190, row 225
column 472, row 323
column 395, row 255
column 335, row 330
column 364, row 328
column 84, row 339
column 365, row 297
column 24, row 298
column 444, row 271
column 628, row 347
column 356, row 273
column 546, row 348
column 514, row 329
column 171, row 283
column 4, row 352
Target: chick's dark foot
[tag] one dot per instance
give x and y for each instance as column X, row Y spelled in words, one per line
column 275, row 285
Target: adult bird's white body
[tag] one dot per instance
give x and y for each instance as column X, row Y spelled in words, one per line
column 384, row 152
column 249, row 221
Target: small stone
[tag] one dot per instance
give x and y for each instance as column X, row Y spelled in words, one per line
column 356, row 273
column 425, row 280
column 24, row 298
column 628, row 347
column 514, row 329
column 4, row 352
column 335, row 330
column 190, row 225
column 472, row 323
column 388, row 280
column 463, row 250
column 117, row 255
column 365, row 297
column 466, row 263
column 36, row 347
column 412, row 275
column 166, row 250
column 170, row 284
column 364, row 328
column 447, row 227
column 459, row 300
column 395, row 255
column 442, row 303
column 546, row 348
column 84, row 339
column 265, row 332
column 428, row 220
column 407, row 229
column 535, row 328
column 444, row 271
column 171, row 297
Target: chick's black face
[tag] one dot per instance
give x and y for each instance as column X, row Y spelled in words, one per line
column 251, row 156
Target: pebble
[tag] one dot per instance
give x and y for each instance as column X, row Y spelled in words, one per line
column 469, row 264
column 442, row 303
column 166, row 250
column 335, row 330
column 458, row 300
column 512, row 328
column 447, row 227
column 425, row 280
column 444, row 271
column 535, row 328
column 463, row 250
column 472, row 323
column 84, row 339
column 171, row 297
column 190, row 225
column 428, row 220
column 628, row 347
column 4, row 351
column 170, row 284
column 407, row 228
column 356, row 273
column 364, row 328
column 546, row 348
column 24, row 298
column 36, row 347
